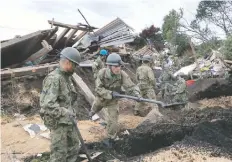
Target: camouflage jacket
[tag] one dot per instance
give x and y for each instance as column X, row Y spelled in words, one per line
column 58, row 94
column 145, row 77
column 97, row 65
column 166, row 77
column 107, row 82
column 179, row 91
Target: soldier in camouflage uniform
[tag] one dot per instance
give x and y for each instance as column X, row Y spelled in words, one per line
column 179, row 91
column 99, row 63
column 167, row 80
column 146, row 83
column 108, row 83
column 57, row 108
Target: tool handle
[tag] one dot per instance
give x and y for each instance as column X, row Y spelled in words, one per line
column 140, row 99
column 149, row 100
column 81, row 139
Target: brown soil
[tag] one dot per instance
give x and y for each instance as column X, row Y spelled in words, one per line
column 21, row 95
column 17, row 141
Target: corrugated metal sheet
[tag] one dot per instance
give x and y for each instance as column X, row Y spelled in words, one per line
column 116, row 32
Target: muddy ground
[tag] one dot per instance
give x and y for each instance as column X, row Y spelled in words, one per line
column 203, row 133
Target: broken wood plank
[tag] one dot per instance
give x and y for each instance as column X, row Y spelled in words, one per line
column 65, row 31
column 84, row 88
column 70, row 35
column 42, row 52
column 228, row 61
column 55, row 23
column 80, row 36
column 87, row 93
column 30, row 70
column 17, row 50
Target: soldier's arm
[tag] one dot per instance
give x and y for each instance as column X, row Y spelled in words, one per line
column 129, row 86
column 49, row 96
column 100, row 89
column 94, row 67
column 151, row 77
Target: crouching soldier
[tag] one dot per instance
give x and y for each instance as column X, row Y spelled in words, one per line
column 109, row 82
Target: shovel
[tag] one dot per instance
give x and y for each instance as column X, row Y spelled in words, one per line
column 149, row 100
column 81, row 140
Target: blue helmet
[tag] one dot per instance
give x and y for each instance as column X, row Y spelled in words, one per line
column 103, row 52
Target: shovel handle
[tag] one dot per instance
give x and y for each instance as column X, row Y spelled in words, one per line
column 81, row 140
column 140, row 99
column 149, row 100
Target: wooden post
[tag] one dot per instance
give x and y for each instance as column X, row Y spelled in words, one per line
column 84, row 88
column 70, row 35
column 65, row 31
column 77, row 27
column 80, row 36
column 30, row 70
column 87, row 93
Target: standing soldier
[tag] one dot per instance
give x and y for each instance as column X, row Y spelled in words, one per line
column 109, row 82
column 146, row 82
column 57, row 107
column 99, row 63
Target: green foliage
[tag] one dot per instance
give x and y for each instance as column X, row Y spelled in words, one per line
column 227, row 48
column 171, row 32
column 171, row 25
column 182, row 43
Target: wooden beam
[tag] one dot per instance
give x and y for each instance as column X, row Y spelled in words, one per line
column 84, row 88
column 55, row 23
column 71, row 34
column 228, row 61
column 65, row 31
column 80, row 36
column 14, row 41
column 30, row 70
column 87, row 93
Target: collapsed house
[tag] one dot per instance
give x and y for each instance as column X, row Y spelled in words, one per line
column 43, row 46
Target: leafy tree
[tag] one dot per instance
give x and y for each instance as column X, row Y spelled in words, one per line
column 227, row 48
column 217, row 13
column 172, row 33
column 171, row 25
column 153, row 36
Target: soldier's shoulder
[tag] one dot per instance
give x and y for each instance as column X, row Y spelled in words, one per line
column 53, row 76
column 102, row 71
column 123, row 73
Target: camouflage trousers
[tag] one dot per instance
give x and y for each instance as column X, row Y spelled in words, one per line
column 149, row 94
column 110, row 109
column 65, row 144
